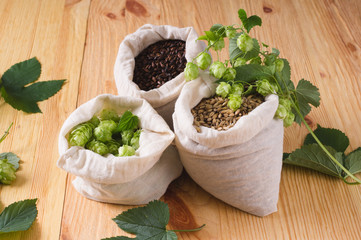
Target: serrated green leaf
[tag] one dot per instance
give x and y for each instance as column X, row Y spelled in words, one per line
column 306, row 94
column 250, row 72
column 21, row 96
column 253, row 21
column 211, row 35
column 242, row 15
column 353, row 161
column 284, row 78
column 18, row 216
column 19, row 104
column 235, row 52
column 128, row 121
column 219, row 30
column 250, row 22
column 148, row 222
column 22, row 73
column 329, row 137
column 12, row 158
column 313, row 157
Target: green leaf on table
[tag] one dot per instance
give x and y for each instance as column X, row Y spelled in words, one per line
column 12, row 158
column 249, row 22
column 306, row 94
column 128, row 121
column 18, row 216
column 353, row 161
column 17, row 92
column 313, row 157
column 235, row 52
column 329, row 137
column 148, row 222
column 250, row 72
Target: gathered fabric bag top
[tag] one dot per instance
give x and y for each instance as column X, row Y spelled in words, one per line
column 240, row 166
column 162, row 98
column 102, row 177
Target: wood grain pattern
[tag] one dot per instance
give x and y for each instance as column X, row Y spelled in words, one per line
column 79, row 39
column 54, row 32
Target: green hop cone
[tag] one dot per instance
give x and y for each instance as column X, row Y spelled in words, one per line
column 109, row 125
column 126, row 151
column 239, row 62
column 289, row 119
column 279, row 65
column 204, row 60
column 217, row 45
column 191, row 71
column 127, row 136
column 223, row 89
column 113, row 146
column 217, row 69
column 234, row 102
column 108, row 114
column 97, row 147
column 281, row 112
column 81, row 134
column 245, row 43
column 95, row 121
column 286, row 103
column 7, row 172
column 229, row 74
column 134, row 142
column 237, row 89
column 264, row 87
column 231, row 33
column 102, row 134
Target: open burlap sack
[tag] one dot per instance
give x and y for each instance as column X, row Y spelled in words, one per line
column 131, row 180
column 240, row 166
column 164, row 97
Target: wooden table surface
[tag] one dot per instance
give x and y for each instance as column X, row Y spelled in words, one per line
column 78, row 40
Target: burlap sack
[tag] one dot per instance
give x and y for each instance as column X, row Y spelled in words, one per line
column 163, row 98
column 240, row 166
column 127, row 180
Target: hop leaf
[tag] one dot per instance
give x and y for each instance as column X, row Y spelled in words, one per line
column 15, row 91
column 249, row 22
column 148, row 222
column 18, row 216
column 307, row 94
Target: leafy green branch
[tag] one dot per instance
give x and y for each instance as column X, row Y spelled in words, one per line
column 255, row 68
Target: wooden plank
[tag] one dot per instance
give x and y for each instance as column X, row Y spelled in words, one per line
column 54, row 32
column 322, row 46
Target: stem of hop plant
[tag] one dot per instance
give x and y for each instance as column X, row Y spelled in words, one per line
column 358, row 181
column 6, row 133
column 190, row 230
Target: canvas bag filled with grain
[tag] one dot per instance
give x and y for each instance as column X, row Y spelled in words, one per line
column 240, row 166
column 130, row 180
column 163, row 98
